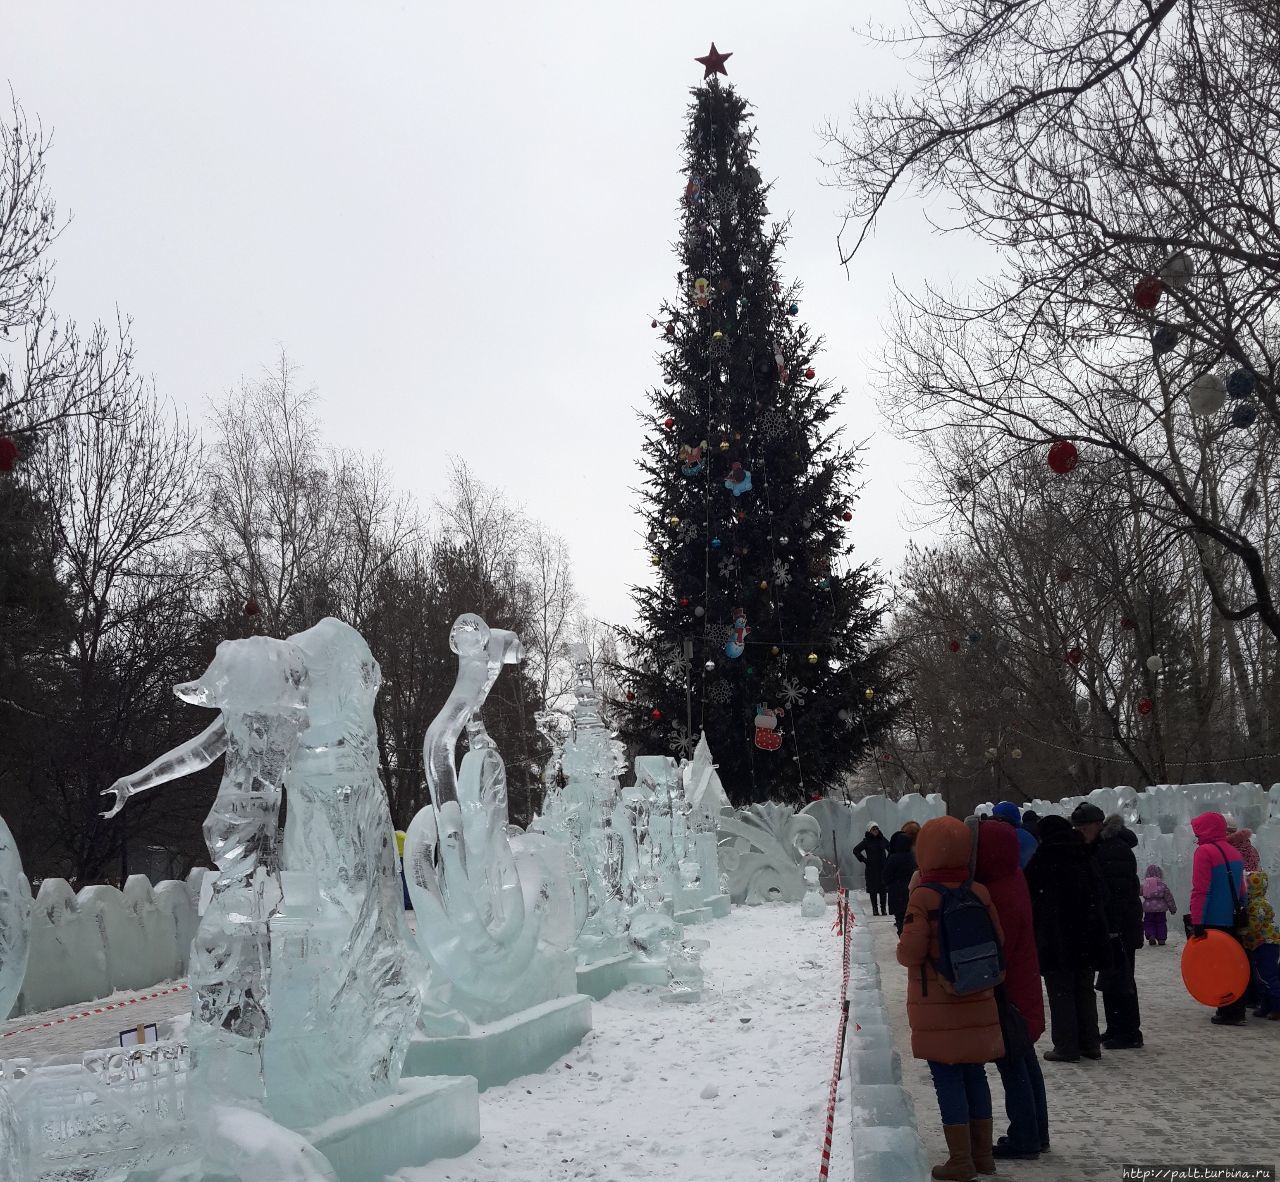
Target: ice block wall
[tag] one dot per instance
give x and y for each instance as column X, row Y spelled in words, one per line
column 87, row 945
column 843, row 825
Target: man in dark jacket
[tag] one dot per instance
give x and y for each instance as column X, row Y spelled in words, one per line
column 898, row 869
column 1113, row 846
column 1068, row 906
column 872, row 851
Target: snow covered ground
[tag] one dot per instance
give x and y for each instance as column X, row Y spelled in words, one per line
column 731, row 1087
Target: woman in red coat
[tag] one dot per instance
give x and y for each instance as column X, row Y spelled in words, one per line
column 1025, row 1103
column 957, row 1034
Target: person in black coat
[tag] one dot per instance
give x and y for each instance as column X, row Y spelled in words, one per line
column 873, row 851
column 1069, row 911
column 1113, row 845
column 899, row 866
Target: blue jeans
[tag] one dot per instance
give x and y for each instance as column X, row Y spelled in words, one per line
column 1266, row 968
column 963, row 1094
column 1025, row 1103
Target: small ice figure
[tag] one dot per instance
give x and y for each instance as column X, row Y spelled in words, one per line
column 684, row 964
column 813, row 904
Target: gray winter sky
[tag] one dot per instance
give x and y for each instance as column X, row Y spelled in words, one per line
column 456, row 218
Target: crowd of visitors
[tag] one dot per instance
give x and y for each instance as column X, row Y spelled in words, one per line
column 987, row 908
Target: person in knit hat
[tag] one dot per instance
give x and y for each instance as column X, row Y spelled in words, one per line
column 1241, row 839
column 956, row 1034
column 1010, row 814
column 1262, row 942
column 1157, row 906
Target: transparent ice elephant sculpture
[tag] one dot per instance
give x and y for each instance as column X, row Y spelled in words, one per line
column 259, row 686
column 15, row 921
column 493, row 917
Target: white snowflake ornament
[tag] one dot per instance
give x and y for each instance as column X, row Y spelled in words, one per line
column 792, row 692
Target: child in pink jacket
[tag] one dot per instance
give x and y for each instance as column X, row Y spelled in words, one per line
column 1157, row 906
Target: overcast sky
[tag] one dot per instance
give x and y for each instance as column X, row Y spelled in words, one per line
column 457, row 219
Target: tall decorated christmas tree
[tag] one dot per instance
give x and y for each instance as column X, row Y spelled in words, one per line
column 757, row 628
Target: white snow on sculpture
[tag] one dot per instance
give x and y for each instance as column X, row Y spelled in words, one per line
column 15, row 921
column 813, row 904
column 707, row 801
column 480, row 903
column 763, row 849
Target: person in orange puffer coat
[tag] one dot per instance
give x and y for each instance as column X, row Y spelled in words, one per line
column 957, row 1035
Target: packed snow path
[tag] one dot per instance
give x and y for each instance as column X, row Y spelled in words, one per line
column 1195, row 1093
column 728, row 1088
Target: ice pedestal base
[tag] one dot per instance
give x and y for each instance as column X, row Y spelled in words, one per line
column 693, row 915
column 720, row 906
column 524, row 1044
column 889, row 1155
column 600, row 978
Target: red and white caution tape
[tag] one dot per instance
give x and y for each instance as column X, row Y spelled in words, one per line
column 844, row 925
column 114, row 1005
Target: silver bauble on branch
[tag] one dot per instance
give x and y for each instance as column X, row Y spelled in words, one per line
column 1206, row 394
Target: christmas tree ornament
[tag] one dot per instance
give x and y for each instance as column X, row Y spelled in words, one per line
column 740, row 515
column 954, row 646
column 699, row 611
column 824, row 583
column 717, row 337
column 1074, row 655
column 1177, row 270
column 724, row 445
column 675, row 522
column 768, row 737
column 716, row 543
column 775, row 650
column 710, row 666
column 764, row 584
column 1147, row 292
column 737, row 642
column 1164, row 340
column 738, row 481
column 654, row 560
column 810, row 374
column 1240, row 383
column 868, row 693
column 654, row 324
column 847, row 515
column 1063, row 456
column 671, row 330
column 1016, row 753
column 713, row 62
column 693, row 190
column 784, row 540
column 1155, row 663
column 631, row 695
column 1145, row 705
column 252, row 608
column 668, row 422
column 684, row 601
column 991, row 754
column 9, row 454
column 792, row 692
column 1206, row 394
column 813, row 658
column 691, row 461
column 1244, row 414
column 655, row 714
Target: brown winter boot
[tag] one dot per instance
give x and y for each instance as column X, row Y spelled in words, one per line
column 959, row 1165
column 980, row 1146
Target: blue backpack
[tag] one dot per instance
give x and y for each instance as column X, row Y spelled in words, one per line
column 969, row 955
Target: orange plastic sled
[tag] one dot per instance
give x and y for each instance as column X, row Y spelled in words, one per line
column 1215, row 970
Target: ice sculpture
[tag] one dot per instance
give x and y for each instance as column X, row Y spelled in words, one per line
column 813, row 904
column 590, row 805
column 763, row 848
column 658, row 777
column 259, row 685
column 15, row 921
column 346, row 987
column 707, row 801
column 487, row 903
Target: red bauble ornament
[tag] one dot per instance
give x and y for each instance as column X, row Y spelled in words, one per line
column 655, row 714
column 1147, row 292
column 654, row 324
column 808, row 373
column 684, row 601
column 954, row 646
column 631, row 695
column 9, row 454
column 1127, row 624
column 251, row 607
column 846, row 516
column 1063, row 457
column 1074, row 655
column 668, row 422
column 1145, row 705
column 671, row 330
